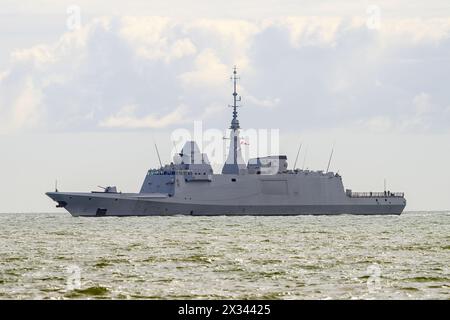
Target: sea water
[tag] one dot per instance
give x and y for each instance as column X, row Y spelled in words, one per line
column 57, row 256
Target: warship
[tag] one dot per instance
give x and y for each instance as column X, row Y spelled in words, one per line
column 263, row 186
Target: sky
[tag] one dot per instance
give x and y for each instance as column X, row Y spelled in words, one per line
column 86, row 89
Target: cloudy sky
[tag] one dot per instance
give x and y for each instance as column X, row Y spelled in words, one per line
column 86, row 89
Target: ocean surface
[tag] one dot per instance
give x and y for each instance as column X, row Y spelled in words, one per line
column 56, row 256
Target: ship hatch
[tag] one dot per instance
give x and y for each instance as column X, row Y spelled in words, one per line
column 61, row 204
column 101, row 212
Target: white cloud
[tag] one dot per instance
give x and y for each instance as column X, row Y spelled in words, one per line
column 24, row 112
column 209, row 71
column 232, row 38
column 311, row 31
column 181, row 48
column 416, row 30
column 214, row 110
column 322, row 71
column 266, row 103
column 20, row 105
column 126, row 118
column 41, row 55
column 419, row 118
column 422, row 103
column 155, row 38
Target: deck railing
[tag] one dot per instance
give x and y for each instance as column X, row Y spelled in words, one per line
column 386, row 194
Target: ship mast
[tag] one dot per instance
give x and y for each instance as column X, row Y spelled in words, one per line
column 234, row 163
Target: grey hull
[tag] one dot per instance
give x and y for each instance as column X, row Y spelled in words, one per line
column 129, row 205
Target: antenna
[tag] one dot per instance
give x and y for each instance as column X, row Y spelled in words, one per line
column 384, row 185
column 235, row 121
column 329, row 160
column 298, row 152
column 56, row 185
column 304, row 159
column 159, row 158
